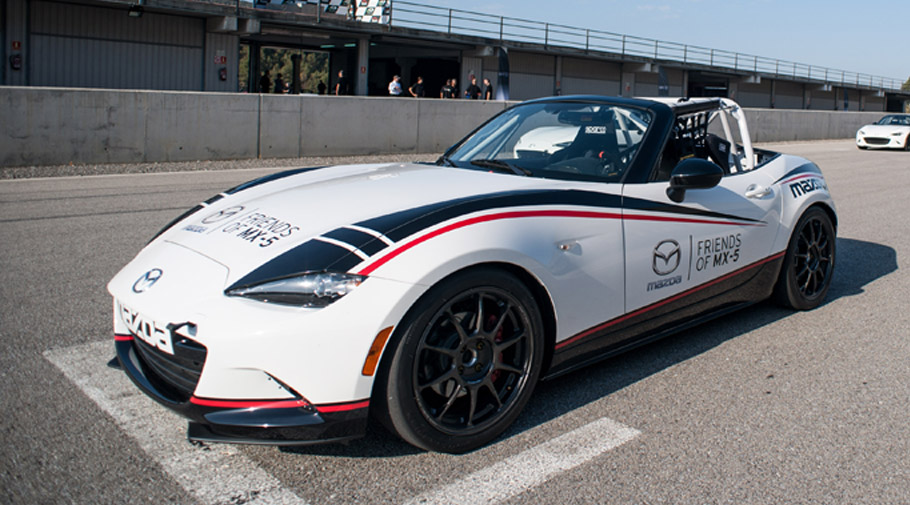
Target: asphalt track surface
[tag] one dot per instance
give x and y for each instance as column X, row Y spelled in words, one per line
column 761, row 406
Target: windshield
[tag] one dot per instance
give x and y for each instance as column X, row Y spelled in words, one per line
column 562, row 140
column 895, row 120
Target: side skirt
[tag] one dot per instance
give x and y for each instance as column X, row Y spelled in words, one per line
column 727, row 294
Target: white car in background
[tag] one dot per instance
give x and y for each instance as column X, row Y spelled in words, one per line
column 890, row 132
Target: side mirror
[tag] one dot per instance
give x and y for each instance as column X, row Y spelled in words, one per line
column 693, row 173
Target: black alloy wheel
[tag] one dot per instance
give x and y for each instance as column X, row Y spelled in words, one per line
column 467, row 363
column 809, row 263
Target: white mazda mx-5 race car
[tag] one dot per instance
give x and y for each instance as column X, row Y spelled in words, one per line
column 889, row 132
column 435, row 296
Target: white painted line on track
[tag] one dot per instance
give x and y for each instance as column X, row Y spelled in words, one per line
column 219, row 473
column 530, row 468
column 215, row 474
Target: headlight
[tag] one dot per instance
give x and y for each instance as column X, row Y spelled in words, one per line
column 860, row 132
column 317, row 289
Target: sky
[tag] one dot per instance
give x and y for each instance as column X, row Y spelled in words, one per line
column 864, row 36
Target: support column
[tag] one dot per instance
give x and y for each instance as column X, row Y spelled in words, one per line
column 557, row 82
column 361, row 84
column 773, row 93
column 15, row 71
column 628, row 84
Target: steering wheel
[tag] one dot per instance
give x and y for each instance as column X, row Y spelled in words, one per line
column 612, row 163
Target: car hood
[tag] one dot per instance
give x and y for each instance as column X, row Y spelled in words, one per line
column 330, row 218
column 883, row 130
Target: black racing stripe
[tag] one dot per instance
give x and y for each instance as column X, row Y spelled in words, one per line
column 214, row 199
column 363, row 241
column 311, row 256
column 269, row 178
column 805, row 168
column 652, row 206
column 400, row 225
column 177, row 219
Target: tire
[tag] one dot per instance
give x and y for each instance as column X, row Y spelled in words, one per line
column 452, row 384
column 907, row 143
column 809, row 262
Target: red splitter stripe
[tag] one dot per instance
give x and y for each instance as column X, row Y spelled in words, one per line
column 343, row 407
column 122, row 338
column 249, row 404
column 661, row 303
column 278, row 404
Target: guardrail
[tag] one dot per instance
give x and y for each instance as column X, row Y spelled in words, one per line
column 461, row 22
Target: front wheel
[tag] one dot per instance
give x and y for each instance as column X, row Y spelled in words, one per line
column 809, row 262
column 468, row 359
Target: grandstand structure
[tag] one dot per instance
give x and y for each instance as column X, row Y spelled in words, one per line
column 217, row 46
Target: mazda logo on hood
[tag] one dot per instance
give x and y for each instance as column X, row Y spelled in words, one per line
column 666, row 257
column 147, row 280
column 223, row 214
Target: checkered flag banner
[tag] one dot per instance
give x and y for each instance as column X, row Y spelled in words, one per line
column 339, row 7
column 366, row 11
column 373, row 11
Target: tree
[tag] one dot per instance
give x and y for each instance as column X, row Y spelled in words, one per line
column 314, row 66
column 906, row 86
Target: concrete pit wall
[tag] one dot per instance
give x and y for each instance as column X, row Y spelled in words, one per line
column 49, row 126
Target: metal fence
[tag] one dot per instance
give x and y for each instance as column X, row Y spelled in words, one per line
column 423, row 16
column 460, row 22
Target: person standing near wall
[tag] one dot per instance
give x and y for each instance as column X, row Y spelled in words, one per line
column 473, row 90
column 265, row 82
column 342, row 87
column 416, row 89
column 487, row 90
column 447, row 90
column 395, row 86
column 279, row 84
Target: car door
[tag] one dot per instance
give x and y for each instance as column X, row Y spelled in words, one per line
column 705, row 247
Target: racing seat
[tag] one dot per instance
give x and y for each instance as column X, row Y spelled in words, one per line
column 718, row 151
column 595, row 139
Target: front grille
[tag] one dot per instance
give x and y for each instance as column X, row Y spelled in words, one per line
column 174, row 375
column 876, row 141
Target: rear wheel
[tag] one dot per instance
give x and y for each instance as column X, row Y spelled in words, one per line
column 809, row 262
column 907, row 143
column 467, row 361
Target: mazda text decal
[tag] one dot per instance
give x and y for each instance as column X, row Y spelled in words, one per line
column 804, row 187
column 154, row 334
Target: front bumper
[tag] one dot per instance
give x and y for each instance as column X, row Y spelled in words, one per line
column 267, row 422
column 882, row 142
